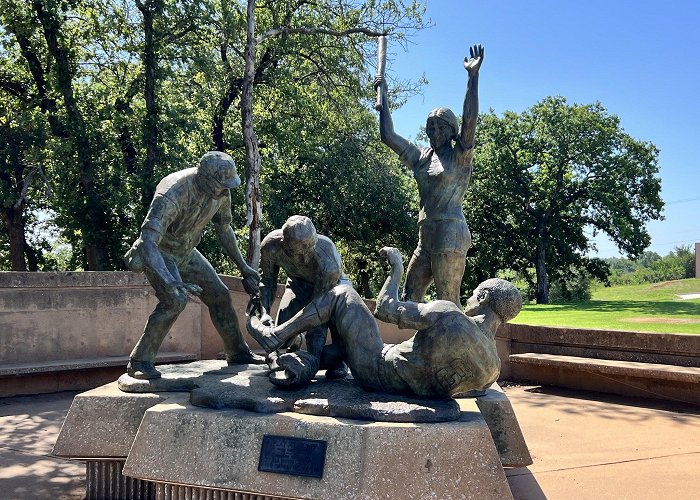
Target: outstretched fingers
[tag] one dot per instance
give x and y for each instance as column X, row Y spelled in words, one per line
column 183, row 289
column 254, row 307
column 476, row 51
column 476, row 57
column 379, row 80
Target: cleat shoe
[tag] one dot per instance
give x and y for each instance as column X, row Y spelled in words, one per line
column 337, row 372
column 142, row 370
column 246, row 358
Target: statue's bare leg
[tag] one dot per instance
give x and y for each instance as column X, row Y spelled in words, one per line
column 448, row 270
column 142, row 357
column 418, row 277
column 333, row 355
column 451, row 241
column 296, row 296
column 294, row 299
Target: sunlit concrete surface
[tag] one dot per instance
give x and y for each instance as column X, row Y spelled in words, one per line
column 584, row 446
column 28, row 429
column 592, row 446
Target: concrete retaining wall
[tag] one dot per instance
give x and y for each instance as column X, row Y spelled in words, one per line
column 585, row 359
column 50, row 320
column 666, row 348
column 54, row 319
column 57, row 316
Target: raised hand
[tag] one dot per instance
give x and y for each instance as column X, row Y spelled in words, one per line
column 379, row 81
column 476, row 57
column 254, row 307
column 251, row 280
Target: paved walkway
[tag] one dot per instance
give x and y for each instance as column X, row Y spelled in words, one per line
column 592, row 446
column 584, row 446
column 29, row 426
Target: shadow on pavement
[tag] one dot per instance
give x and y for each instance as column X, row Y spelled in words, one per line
column 28, row 429
column 523, row 484
column 623, row 404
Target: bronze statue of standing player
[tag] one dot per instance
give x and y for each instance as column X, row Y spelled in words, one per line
column 185, row 202
column 442, row 172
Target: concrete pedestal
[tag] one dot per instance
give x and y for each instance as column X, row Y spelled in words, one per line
column 171, row 449
column 181, row 444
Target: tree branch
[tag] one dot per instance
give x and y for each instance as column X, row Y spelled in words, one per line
column 14, row 87
column 27, row 181
column 287, row 30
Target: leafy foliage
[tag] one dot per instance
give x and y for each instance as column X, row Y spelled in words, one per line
column 100, row 99
column 108, row 97
column 542, row 177
column 652, row 268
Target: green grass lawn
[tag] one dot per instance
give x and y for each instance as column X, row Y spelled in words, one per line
column 643, row 308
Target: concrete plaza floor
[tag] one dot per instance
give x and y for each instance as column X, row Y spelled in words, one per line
column 584, row 446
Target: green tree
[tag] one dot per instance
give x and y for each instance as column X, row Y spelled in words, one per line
column 22, row 136
column 309, row 64
column 542, row 177
column 108, row 97
column 332, row 24
column 47, row 45
column 652, row 268
column 355, row 191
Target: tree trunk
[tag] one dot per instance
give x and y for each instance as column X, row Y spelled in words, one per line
column 253, row 161
column 542, row 295
column 32, row 255
column 94, row 216
column 122, row 106
column 14, row 223
column 149, row 10
column 232, row 92
column 217, row 129
column 363, row 286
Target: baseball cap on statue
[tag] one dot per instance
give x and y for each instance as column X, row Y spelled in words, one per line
column 220, row 168
column 446, row 115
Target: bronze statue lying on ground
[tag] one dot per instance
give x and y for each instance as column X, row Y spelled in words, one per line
column 452, row 352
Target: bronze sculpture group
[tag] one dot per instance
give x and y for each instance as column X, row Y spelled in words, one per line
column 453, row 350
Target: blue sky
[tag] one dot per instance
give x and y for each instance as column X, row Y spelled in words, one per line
column 640, row 59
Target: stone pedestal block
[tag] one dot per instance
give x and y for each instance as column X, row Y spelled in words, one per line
column 503, row 424
column 220, row 450
column 173, row 449
column 103, row 422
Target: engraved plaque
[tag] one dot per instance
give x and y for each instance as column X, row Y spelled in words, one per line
column 293, row 456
